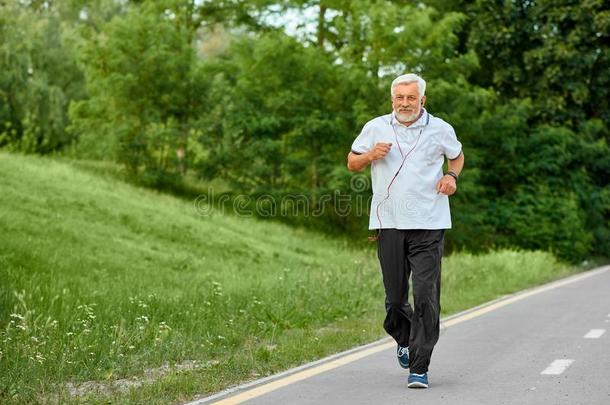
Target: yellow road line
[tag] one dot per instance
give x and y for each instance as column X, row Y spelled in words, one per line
column 272, row 386
column 478, row 311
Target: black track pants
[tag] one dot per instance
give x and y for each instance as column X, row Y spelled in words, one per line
column 416, row 253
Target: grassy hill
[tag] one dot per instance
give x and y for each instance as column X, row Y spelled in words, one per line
column 110, row 292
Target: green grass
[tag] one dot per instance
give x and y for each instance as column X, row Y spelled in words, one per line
column 102, row 280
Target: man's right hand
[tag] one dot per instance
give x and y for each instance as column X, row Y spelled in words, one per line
column 380, row 151
column 355, row 162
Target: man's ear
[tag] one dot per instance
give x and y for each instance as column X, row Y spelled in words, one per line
column 423, row 101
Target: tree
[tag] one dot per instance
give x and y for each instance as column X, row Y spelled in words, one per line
column 555, row 52
column 38, row 78
column 143, row 90
column 276, row 114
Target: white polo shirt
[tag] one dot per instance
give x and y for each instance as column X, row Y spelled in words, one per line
column 412, row 201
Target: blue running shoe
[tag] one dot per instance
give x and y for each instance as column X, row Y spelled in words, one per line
column 403, row 356
column 418, row 380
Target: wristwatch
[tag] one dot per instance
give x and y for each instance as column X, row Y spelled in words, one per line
column 452, row 174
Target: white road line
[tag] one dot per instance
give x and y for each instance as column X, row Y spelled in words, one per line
column 595, row 333
column 557, row 367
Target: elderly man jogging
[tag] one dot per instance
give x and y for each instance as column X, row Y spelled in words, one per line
column 410, row 212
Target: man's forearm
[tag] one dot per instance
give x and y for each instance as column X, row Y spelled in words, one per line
column 355, row 162
column 456, row 165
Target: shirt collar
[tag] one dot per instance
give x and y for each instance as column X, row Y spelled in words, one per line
column 421, row 121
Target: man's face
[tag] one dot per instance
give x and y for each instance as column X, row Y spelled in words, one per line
column 406, row 102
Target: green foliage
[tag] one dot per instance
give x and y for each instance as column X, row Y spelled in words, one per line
column 554, row 51
column 143, row 92
column 542, row 219
column 273, row 125
column 38, row 78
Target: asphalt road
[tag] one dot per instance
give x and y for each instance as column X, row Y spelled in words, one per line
column 546, row 346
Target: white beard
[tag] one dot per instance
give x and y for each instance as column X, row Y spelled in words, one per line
column 407, row 117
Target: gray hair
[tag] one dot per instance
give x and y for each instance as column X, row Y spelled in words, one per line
column 410, row 78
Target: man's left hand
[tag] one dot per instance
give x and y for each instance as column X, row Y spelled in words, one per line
column 446, row 185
